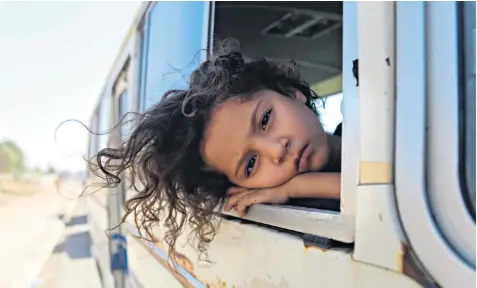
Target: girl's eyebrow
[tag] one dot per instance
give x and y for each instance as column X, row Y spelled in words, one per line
column 251, row 129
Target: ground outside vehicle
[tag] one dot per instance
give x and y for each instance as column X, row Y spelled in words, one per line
column 407, row 212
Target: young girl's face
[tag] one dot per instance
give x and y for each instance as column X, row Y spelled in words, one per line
column 265, row 141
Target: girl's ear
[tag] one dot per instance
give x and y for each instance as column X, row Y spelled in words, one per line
column 299, row 96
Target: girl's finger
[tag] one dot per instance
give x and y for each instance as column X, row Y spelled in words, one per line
column 261, row 196
column 235, row 189
column 235, row 198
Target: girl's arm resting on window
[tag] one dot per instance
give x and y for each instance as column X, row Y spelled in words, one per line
column 315, row 185
column 309, row 185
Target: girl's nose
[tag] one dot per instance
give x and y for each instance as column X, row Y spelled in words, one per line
column 274, row 148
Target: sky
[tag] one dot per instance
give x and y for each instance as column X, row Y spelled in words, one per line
column 330, row 111
column 54, row 60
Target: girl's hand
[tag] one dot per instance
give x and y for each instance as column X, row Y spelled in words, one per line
column 240, row 198
column 308, row 185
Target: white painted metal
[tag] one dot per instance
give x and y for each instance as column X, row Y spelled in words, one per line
column 424, row 238
column 444, row 189
column 328, row 224
column 375, row 213
column 245, row 255
column 378, row 234
column 376, row 83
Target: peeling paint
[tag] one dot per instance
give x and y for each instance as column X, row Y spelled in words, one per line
column 178, row 258
column 412, row 268
column 183, row 280
column 219, row 283
column 400, row 257
column 182, row 260
column 314, row 247
column 248, row 269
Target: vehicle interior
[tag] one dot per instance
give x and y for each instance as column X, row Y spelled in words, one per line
column 308, row 33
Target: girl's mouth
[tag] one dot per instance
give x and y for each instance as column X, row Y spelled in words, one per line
column 301, row 162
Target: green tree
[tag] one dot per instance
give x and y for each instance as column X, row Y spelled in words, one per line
column 51, row 170
column 11, row 157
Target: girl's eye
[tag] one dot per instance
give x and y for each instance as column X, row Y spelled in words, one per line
column 265, row 119
column 249, row 166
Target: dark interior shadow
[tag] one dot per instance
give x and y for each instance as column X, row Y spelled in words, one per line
column 78, row 245
column 78, row 220
column 324, row 204
column 60, row 247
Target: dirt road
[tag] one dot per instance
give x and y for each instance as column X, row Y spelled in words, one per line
column 30, row 226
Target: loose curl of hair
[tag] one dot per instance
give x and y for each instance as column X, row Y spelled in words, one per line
column 163, row 149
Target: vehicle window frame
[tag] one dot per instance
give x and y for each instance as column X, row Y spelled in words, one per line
column 445, row 195
column 104, row 120
column 425, row 37
column 334, row 225
column 143, row 101
column 140, row 53
column 124, row 107
column 142, row 50
column 466, row 51
column 93, row 139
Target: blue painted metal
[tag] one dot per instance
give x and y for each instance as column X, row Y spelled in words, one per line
column 119, row 259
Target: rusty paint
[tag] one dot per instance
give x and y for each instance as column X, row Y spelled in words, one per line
column 314, row 247
column 183, row 261
column 218, row 283
column 178, row 258
column 413, row 269
column 400, row 257
column 316, row 242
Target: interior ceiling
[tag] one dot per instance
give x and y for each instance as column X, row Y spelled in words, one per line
column 318, row 59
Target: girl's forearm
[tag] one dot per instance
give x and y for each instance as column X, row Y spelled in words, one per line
column 315, row 185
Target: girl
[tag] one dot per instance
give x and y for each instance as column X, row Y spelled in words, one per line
column 244, row 132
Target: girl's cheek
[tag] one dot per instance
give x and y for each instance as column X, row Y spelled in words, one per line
column 277, row 177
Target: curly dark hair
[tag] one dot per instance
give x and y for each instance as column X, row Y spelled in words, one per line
column 163, row 148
